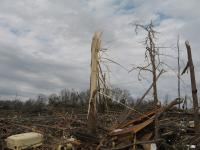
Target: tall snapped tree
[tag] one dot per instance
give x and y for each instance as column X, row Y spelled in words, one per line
column 92, row 112
column 190, row 66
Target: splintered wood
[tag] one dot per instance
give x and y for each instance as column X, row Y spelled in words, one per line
column 161, row 125
column 92, row 117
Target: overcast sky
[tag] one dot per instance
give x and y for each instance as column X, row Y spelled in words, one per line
column 45, row 44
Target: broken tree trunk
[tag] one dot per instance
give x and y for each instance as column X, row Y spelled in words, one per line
column 193, row 84
column 152, row 53
column 141, row 99
column 179, row 91
column 92, row 112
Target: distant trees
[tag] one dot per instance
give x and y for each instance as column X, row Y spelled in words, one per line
column 118, row 98
column 11, row 105
column 53, row 100
column 68, row 98
column 122, row 95
column 65, row 101
column 34, row 106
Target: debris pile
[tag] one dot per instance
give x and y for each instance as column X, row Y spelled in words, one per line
column 167, row 127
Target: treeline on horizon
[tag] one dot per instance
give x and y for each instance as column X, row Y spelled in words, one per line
column 68, row 100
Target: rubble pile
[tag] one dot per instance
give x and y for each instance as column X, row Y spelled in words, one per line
column 164, row 126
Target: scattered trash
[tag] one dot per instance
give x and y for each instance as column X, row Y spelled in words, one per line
column 24, row 140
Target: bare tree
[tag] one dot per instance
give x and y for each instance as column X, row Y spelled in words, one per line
column 152, row 59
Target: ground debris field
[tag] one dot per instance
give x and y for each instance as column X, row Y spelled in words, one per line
column 57, row 129
column 168, row 127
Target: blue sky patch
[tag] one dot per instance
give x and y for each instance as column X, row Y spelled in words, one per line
column 161, row 17
column 125, row 8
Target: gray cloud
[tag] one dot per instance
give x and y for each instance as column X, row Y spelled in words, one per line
column 45, row 44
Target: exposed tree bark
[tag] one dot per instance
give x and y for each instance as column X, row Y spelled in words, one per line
column 92, row 112
column 152, row 54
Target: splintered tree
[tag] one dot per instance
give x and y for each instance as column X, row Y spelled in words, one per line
column 92, row 112
column 98, row 86
column 151, row 56
column 193, row 85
